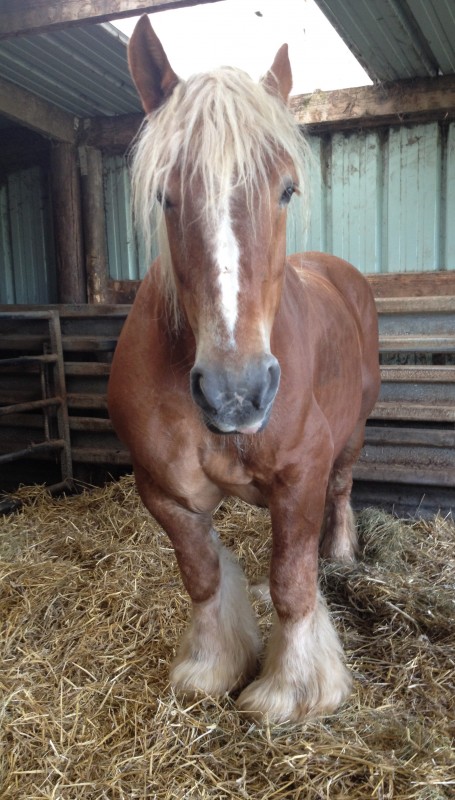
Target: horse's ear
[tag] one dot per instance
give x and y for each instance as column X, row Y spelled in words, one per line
column 278, row 79
column 150, row 69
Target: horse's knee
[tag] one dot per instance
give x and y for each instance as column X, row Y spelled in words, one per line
column 191, row 535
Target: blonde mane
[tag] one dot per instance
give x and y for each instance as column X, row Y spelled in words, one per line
column 222, row 127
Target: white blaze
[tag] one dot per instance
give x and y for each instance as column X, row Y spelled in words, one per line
column 227, row 259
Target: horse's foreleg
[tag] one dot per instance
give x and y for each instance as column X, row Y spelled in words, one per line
column 304, row 673
column 220, row 648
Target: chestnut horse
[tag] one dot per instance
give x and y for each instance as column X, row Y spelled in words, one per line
column 239, row 372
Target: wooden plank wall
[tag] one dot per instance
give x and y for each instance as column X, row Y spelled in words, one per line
column 410, row 437
column 89, row 337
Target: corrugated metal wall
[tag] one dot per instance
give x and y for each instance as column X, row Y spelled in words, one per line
column 27, row 262
column 126, row 252
column 383, row 199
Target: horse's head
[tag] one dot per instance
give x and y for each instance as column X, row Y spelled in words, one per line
column 221, row 157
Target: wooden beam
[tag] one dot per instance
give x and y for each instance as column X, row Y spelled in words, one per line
column 97, row 268
column 123, row 292
column 367, row 106
column 110, row 134
column 27, row 109
column 413, row 284
column 397, row 102
column 66, row 206
column 19, row 17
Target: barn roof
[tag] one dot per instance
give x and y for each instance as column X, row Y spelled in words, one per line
column 82, row 70
column 395, row 39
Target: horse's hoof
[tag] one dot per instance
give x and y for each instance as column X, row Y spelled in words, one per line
column 269, row 699
column 211, row 677
column 303, row 675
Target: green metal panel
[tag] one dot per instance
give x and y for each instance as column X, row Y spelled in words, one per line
column 6, row 257
column 126, row 250
column 26, row 245
column 354, row 200
column 121, row 244
column 384, row 200
column 83, row 69
column 396, row 39
column 310, row 204
column 436, row 21
column 412, row 178
column 448, row 203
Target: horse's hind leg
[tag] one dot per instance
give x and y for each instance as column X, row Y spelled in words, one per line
column 338, row 533
column 220, row 648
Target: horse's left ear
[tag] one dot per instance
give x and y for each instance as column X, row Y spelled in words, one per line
column 278, row 79
column 149, row 66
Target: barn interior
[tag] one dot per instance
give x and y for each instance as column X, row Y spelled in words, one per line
column 383, row 178
column 91, row 602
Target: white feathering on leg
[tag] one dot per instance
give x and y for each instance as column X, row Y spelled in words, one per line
column 220, row 648
column 303, row 675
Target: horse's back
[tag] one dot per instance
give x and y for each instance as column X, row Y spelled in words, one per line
column 346, row 278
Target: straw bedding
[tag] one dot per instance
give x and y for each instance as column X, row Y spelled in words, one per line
column 92, row 610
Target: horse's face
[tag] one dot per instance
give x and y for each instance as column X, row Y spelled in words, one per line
column 227, row 254
column 228, row 277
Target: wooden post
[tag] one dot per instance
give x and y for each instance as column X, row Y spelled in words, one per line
column 18, row 17
column 91, row 164
column 66, row 204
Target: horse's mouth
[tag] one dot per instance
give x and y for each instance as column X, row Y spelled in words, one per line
column 245, row 430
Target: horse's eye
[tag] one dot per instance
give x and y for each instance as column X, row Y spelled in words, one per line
column 163, row 201
column 285, row 198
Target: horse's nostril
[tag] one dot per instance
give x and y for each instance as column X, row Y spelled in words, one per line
column 201, row 392
column 269, row 386
column 274, row 372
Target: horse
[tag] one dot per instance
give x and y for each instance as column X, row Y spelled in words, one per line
column 240, row 372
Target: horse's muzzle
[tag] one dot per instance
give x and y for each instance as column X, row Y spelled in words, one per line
column 236, row 400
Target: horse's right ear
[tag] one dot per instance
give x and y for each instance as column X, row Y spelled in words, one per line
column 150, row 69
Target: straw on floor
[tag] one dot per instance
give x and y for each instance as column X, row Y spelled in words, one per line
column 92, row 609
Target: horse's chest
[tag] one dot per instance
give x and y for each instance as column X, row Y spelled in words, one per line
column 228, row 471
column 224, row 468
